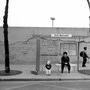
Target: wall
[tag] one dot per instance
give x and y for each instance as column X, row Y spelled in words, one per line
column 23, row 49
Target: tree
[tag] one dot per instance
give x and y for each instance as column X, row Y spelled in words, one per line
column 6, row 43
column 88, row 3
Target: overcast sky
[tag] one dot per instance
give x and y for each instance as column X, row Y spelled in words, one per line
column 37, row 13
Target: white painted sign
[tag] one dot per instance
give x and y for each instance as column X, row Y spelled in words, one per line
column 61, row 35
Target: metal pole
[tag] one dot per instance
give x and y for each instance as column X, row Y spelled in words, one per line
column 89, row 25
column 89, row 15
column 52, row 23
column 6, row 43
column 77, row 56
column 37, row 55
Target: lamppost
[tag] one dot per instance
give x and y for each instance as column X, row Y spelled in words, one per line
column 89, row 14
column 6, row 43
column 52, row 18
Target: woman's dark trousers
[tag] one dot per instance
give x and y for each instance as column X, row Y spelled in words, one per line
column 67, row 65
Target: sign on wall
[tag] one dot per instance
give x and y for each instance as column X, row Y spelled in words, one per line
column 61, row 35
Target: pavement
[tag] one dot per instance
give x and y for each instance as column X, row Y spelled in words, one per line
column 55, row 75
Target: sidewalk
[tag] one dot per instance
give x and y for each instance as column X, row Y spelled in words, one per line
column 27, row 75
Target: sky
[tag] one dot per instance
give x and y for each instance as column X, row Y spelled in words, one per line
column 37, row 13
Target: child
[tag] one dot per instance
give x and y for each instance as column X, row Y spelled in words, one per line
column 48, row 68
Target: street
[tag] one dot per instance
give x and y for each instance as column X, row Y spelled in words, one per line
column 45, row 85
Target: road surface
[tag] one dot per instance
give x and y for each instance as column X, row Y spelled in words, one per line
column 45, row 85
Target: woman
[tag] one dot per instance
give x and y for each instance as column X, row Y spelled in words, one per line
column 65, row 61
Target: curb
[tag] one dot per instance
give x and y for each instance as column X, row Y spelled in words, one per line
column 33, row 79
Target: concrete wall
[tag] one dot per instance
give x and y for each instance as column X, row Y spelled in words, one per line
column 23, row 33
column 23, row 49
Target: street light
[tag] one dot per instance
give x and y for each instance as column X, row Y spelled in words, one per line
column 89, row 15
column 6, row 43
column 89, row 24
column 52, row 18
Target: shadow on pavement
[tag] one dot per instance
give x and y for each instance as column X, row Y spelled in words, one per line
column 12, row 72
column 84, row 71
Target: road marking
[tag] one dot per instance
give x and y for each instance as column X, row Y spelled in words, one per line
column 45, row 82
column 26, row 84
column 60, row 87
column 54, row 86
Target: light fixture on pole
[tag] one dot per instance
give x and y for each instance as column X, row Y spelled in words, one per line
column 52, row 18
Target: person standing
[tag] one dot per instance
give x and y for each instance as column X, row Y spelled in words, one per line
column 65, row 61
column 84, row 55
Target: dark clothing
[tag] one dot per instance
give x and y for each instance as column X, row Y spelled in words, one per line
column 84, row 62
column 48, row 66
column 63, row 65
column 85, row 56
column 65, row 62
